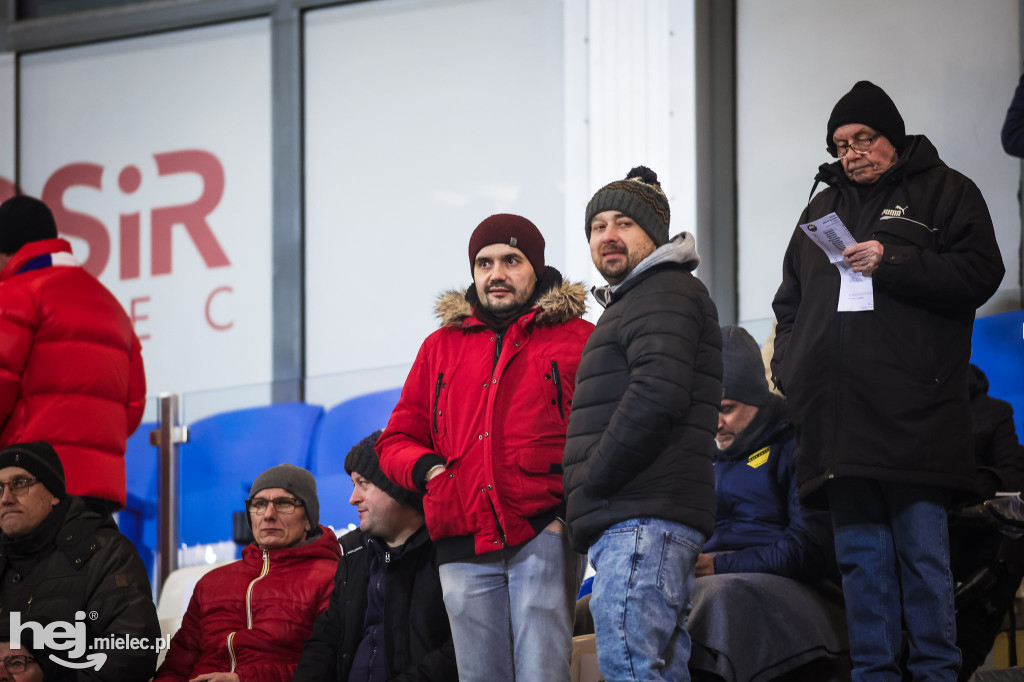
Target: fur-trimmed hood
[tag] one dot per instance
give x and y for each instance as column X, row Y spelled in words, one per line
column 559, row 304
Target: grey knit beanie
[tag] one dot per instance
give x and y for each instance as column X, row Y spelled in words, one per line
column 640, row 197
column 743, row 378
column 362, row 459
column 297, row 481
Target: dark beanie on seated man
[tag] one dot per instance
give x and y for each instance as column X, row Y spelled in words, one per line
column 362, row 459
column 744, row 381
column 743, row 378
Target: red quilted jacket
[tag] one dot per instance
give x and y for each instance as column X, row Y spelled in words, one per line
column 252, row 617
column 70, row 367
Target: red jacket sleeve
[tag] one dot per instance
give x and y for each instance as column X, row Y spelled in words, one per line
column 407, row 438
column 17, row 329
column 136, row 387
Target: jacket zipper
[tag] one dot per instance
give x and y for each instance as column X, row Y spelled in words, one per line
column 497, row 523
column 248, row 606
column 231, row 651
column 437, row 397
column 558, row 387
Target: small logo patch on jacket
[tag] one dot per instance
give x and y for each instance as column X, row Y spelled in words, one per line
column 759, row 457
column 898, row 212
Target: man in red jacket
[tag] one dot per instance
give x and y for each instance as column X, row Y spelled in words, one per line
column 70, row 364
column 247, row 621
column 480, row 428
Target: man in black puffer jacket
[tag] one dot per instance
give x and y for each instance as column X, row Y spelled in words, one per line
column 639, row 485
column 386, row 618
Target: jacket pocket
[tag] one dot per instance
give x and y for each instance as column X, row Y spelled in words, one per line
column 905, row 232
column 443, row 508
column 439, row 403
column 557, row 384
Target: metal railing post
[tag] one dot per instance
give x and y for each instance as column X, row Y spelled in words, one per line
column 170, row 433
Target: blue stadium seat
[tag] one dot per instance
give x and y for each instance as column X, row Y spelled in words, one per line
column 343, row 426
column 138, row 519
column 225, row 454
column 998, row 350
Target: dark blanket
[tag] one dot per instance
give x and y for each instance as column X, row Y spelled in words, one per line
column 751, row 627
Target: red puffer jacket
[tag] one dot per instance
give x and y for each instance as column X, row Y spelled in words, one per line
column 495, row 416
column 70, row 367
column 252, row 617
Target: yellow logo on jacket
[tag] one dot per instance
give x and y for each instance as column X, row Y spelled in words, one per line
column 759, row 457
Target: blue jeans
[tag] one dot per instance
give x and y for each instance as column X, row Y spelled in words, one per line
column 892, row 544
column 511, row 611
column 641, row 599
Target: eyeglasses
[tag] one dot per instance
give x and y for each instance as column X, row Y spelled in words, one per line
column 861, row 146
column 18, row 486
column 16, row 663
column 284, row 505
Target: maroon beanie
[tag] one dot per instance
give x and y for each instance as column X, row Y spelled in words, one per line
column 514, row 230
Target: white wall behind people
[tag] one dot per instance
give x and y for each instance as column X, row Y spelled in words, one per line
column 950, row 67
column 7, row 101
column 425, row 116
column 154, row 154
column 635, row 61
column 422, row 118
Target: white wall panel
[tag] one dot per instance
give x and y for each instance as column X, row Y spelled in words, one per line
column 154, row 154
column 422, row 118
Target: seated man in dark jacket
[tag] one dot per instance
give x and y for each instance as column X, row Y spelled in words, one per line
column 61, row 562
column 386, row 619
column 756, row 604
column 987, row 564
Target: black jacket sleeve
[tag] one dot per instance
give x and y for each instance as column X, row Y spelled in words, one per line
column 1013, row 126
column 322, row 650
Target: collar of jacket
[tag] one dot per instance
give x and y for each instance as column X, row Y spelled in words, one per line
column 919, row 155
column 323, row 546
column 680, row 251
column 413, row 543
column 770, row 422
column 34, row 250
column 556, row 305
column 39, row 540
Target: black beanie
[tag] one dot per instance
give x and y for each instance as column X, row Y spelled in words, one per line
column 743, row 378
column 362, row 459
column 40, row 460
column 867, row 104
column 23, row 220
column 640, row 197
